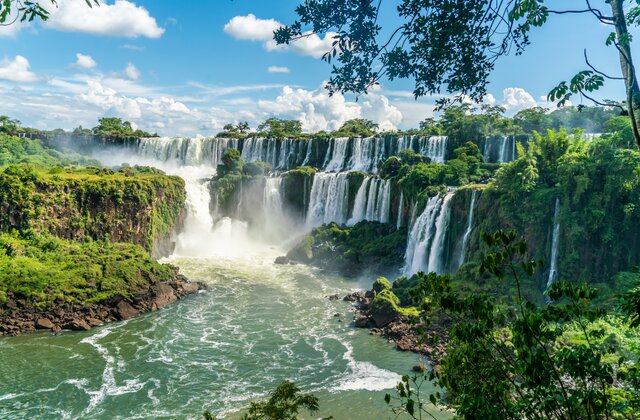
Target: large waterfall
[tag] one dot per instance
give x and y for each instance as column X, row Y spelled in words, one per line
column 467, row 232
column 426, row 244
column 553, row 267
column 327, row 155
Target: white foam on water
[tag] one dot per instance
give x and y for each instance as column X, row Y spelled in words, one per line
column 364, row 375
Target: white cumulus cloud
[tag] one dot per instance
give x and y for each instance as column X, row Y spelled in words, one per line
column 146, row 109
column 122, row 18
column 132, row 72
column 517, row 99
column 278, row 69
column 17, row 70
column 316, row 110
column 85, row 61
column 251, row 28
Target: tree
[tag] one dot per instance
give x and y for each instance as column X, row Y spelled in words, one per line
column 358, row 127
column 533, row 119
column 453, row 45
column 28, row 10
column 277, row 127
column 512, row 361
column 284, row 403
column 8, row 125
column 431, row 127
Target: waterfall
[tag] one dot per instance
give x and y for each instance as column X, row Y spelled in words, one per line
column 329, row 199
column 274, row 219
column 499, row 149
column 384, row 201
column 553, row 268
column 426, row 244
column 273, row 196
column 360, row 203
column 467, row 232
column 372, row 202
column 400, row 210
column 338, row 155
column 434, row 147
column 503, row 150
column 372, row 199
column 362, row 152
column 486, row 152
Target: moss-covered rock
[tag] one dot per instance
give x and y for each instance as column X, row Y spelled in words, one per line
column 385, row 308
column 297, row 190
column 381, row 284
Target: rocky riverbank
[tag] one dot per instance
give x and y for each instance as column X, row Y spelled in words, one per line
column 405, row 331
column 18, row 318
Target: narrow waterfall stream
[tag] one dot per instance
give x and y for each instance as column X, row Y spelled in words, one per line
column 555, row 239
column 258, row 323
column 467, row 232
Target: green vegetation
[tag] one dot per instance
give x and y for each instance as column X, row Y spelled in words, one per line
column 276, row 127
column 522, row 360
column 139, row 205
column 238, row 131
column 370, row 246
column 284, row 403
column 33, row 152
column 356, row 128
column 43, row 271
column 116, row 127
column 388, row 303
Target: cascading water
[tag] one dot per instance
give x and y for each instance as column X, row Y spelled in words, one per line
column 434, row 147
column 400, row 210
column 425, row 248
column 360, row 203
column 467, row 232
column 329, row 199
column 336, row 160
column 372, row 202
column 499, row 149
column 553, row 268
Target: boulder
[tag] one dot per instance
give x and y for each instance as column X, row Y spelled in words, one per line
column 94, row 322
column 44, row 324
column 361, row 322
column 125, row 311
column 281, row 260
column 420, row 368
column 78, row 324
column 163, row 295
column 334, row 297
column 190, row 288
column 404, row 344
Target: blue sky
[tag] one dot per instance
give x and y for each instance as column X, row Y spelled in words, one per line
column 190, row 69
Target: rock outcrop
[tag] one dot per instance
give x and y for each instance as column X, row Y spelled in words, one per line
column 17, row 319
